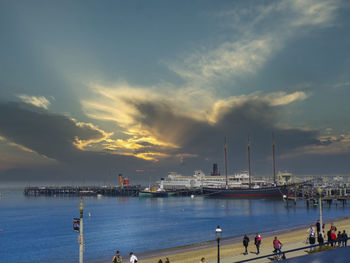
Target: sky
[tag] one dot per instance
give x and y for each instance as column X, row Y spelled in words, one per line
column 91, row 89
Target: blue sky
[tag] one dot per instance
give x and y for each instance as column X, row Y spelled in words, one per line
column 89, row 87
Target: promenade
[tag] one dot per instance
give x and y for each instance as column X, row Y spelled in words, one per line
column 232, row 250
column 263, row 252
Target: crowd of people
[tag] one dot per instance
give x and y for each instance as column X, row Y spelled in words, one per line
column 334, row 238
column 315, row 233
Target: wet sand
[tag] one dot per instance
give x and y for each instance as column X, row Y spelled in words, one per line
column 231, row 248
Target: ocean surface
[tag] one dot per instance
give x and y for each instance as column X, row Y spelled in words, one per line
column 39, row 229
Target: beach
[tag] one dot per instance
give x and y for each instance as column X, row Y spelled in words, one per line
column 231, row 249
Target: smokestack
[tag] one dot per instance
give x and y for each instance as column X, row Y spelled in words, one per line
column 215, row 171
column 121, row 180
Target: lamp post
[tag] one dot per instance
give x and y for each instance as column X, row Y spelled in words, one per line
column 218, row 232
column 319, row 190
column 81, row 235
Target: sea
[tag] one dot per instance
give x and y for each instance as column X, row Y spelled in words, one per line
column 40, row 229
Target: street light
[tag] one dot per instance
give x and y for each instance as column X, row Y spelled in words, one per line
column 319, row 190
column 81, row 236
column 218, row 232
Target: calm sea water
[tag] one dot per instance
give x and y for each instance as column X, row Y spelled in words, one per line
column 39, row 229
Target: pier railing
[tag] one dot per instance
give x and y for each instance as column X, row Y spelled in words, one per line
column 285, row 253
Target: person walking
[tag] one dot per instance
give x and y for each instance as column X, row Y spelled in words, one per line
column 167, row 260
column 320, row 239
column 133, row 258
column 117, row 258
column 202, row 260
column 160, row 261
column 257, row 242
column 245, row 244
column 312, row 241
column 277, row 245
column 344, row 239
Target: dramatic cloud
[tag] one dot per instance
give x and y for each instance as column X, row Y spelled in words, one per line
column 162, row 125
column 40, row 145
column 52, row 135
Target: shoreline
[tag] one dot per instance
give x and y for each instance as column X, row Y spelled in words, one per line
column 207, row 247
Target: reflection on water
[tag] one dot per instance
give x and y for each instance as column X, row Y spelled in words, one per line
column 44, row 224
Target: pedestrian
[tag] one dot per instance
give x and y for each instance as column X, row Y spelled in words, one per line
column 245, row 244
column 344, row 239
column 133, row 258
column 333, row 238
column 320, row 239
column 257, row 242
column 312, row 241
column 117, row 258
column 160, row 261
column 339, row 238
column 329, row 237
column 277, row 245
column 318, row 227
column 310, row 230
column 167, row 260
column 202, row 260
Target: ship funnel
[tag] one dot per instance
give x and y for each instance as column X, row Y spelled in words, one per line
column 121, row 180
column 215, row 171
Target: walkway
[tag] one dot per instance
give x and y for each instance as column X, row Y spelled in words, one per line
column 265, row 251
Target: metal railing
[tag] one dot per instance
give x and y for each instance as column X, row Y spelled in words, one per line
column 293, row 250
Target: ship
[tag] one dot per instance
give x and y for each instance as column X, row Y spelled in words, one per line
column 199, row 180
column 251, row 190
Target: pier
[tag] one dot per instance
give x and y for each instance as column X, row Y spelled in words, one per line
column 97, row 190
column 82, row 191
column 329, row 195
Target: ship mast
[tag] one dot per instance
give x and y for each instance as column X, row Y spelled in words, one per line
column 274, row 160
column 249, row 171
column 225, row 153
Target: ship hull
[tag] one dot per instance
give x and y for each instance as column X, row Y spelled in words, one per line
column 155, row 194
column 265, row 192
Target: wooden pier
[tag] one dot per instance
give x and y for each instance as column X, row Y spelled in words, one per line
column 97, row 190
column 82, row 191
column 329, row 195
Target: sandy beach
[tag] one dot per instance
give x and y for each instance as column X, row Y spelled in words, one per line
column 231, row 250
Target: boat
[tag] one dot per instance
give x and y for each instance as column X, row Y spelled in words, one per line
column 148, row 193
column 251, row 190
column 156, row 191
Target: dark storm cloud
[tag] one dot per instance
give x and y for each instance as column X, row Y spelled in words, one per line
column 53, row 135
column 254, row 118
column 48, row 134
